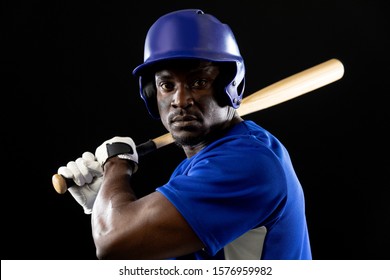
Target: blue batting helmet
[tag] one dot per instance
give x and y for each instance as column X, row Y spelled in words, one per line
column 192, row 34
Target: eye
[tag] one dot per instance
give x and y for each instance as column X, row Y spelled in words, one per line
column 166, row 86
column 200, row 84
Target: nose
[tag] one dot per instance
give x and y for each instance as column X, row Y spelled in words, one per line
column 182, row 98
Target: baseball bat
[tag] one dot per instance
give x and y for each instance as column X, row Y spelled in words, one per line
column 288, row 88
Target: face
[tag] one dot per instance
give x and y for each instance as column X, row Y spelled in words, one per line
column 187, row 103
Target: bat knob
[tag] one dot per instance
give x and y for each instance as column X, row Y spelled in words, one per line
column 59, row 183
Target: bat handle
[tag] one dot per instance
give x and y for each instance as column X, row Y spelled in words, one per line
column 60, row 183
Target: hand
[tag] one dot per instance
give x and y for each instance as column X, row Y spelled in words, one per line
column 87, row 174
column 123, row 147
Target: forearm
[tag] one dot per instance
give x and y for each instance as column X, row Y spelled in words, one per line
column 111, row 208
column 116, row 188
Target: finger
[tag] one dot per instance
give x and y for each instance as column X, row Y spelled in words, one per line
column 92, row 164
column 64, row 171
column 78, row 177
column 84, row 170
column 88, row 156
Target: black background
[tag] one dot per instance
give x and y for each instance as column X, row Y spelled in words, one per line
column 67, row 87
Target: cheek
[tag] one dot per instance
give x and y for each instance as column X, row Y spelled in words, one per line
column 163, row 105
column 214, row 113
column 211, row 107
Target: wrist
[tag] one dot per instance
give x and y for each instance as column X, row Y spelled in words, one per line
column 130, row 159
column 120, row 162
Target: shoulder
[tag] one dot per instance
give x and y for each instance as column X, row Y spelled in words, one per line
column 244, row 146
column 244, row 137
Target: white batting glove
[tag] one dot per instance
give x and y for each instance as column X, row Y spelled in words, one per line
column 123, row 147
column 87, row 175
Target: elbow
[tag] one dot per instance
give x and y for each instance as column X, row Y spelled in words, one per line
column 106, row 250
column 103, row 254
column 109, row 244
column 103, row 251
column 111, row 248
column 107, row 253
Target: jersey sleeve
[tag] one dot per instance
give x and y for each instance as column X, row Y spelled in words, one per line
column 227, row 189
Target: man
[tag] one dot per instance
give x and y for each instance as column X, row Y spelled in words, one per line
column 235, row 196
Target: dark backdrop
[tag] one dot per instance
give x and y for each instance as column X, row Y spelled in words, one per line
column 67, row 87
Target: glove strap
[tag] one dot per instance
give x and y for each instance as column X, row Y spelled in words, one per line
column 118, row 148
column 126, row 156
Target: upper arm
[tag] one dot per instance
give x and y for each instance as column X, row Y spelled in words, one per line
column 148, row 228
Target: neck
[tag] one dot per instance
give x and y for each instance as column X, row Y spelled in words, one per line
column 191, row 150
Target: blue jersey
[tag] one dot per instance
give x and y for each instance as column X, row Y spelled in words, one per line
column 242, row 198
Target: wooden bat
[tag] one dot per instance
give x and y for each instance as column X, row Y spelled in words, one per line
column 288, row 88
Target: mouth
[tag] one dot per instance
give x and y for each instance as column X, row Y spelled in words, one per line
column 182, row 121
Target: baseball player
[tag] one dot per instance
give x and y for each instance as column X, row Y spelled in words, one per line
column 235, row 195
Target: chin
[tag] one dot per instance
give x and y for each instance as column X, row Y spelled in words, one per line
column 187, row 138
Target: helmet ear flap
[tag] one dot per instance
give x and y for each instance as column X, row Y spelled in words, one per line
column 149, row 95
column 226, row 83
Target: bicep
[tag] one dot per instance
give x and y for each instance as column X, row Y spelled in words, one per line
column 150, row 228
column 168, row 233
